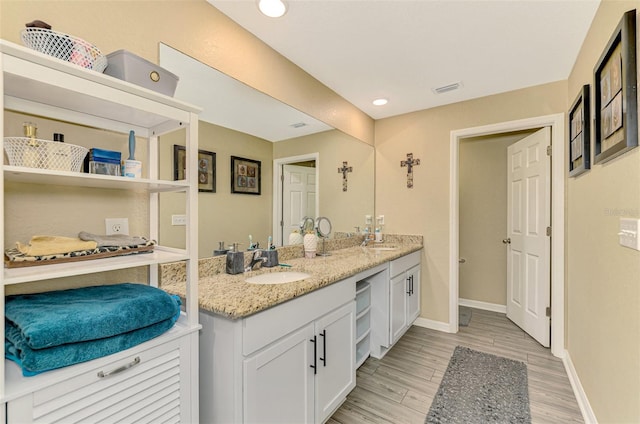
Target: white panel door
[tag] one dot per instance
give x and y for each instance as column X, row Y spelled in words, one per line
column 279, row 384
column 413, row 300
column 528, row 246
column 298, row 197
column 336, row 368
column 398, row 290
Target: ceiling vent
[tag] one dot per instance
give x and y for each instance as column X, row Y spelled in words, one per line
column 448, row 87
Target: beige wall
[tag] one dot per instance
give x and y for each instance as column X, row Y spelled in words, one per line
column 424, row 209
column 345, row 209
column 603, row 286
column 222, row 216
column 203, row 33
column 483, row 217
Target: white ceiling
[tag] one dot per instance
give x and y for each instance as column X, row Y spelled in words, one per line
column 402, row 49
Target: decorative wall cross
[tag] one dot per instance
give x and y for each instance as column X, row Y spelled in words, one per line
column 344, row 171
column 409, row 163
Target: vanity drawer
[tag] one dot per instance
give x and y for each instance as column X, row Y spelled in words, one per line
column 402, row 264
column 267, row 326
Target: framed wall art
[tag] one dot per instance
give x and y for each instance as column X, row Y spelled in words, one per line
column 245, row 176
column 580, row 134
column 206, row 168
column 615, row 94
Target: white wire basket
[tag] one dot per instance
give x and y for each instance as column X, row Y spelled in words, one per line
column 65, row 47
column 44, row 154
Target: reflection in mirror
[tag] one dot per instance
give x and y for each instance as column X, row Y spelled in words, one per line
column 238, row 120
column 323, row 227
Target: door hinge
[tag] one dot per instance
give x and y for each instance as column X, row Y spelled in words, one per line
column 548, row 311
column 549, row 149
column 549, row 231
column 282, row 177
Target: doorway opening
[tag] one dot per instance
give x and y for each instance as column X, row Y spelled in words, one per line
column 556, row 123
column 296, row 193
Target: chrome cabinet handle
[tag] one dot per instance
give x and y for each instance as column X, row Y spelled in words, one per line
column 409, row 286
column 506, row 241
column 133, row 363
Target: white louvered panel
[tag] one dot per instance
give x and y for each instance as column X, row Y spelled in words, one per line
column 152, row 396
column 86, row 398
column 161, row 410
column 81, row 382
column 120, row 394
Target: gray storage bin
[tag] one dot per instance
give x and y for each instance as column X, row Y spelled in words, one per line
column 127, row 66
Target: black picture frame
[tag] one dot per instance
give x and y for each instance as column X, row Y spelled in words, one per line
column 580, row 133
column 206, row 168
column 246, row 177
column 615, row 94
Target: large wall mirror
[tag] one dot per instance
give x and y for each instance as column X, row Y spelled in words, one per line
column 299, row 157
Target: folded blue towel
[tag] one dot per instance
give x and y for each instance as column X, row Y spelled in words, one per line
column 36, row 361
column 90, row 313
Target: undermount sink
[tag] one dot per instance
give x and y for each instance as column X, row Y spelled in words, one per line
column 382, row 248
column 277, row 278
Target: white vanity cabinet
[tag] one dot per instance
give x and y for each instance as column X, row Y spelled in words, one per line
column 162, row 383
column 404, row 294
column 291, row 363
column 305, row 376
column 395, row 303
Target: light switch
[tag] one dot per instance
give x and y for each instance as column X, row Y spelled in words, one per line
column 178, row 219
column 629, row 233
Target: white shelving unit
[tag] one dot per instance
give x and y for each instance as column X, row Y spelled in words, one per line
column 363, row 321
column 37, row 84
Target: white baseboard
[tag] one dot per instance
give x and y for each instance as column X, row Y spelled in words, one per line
column 494, row 307
column 583, row 402
column 433, row 325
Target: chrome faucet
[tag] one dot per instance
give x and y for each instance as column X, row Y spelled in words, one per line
column 256, row 259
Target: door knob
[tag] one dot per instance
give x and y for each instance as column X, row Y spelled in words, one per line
column 506, row 241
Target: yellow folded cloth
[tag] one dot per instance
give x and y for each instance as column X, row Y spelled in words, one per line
column 51, row 245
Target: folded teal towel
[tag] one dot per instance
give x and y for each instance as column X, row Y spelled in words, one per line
column 36, row 361
column 90, row 313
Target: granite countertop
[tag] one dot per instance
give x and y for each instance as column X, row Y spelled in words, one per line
column 230, row 296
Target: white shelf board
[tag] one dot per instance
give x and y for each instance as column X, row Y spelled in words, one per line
column 46, row 272
column 70, row 92
column 363, row 336
column 17, row 385
column 79, row 179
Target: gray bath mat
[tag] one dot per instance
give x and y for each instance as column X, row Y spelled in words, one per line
column 481, row 388
column 464, row 316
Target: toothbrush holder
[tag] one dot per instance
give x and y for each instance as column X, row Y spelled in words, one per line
column 272, row 258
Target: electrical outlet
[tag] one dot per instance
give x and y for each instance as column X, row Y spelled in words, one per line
column 178, row 219
column 116, row 226
column 380, row 219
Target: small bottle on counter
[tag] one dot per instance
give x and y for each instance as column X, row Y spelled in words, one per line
column 235, row 261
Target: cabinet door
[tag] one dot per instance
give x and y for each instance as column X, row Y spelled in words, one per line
column 278, row 382
column 398, row 300
column 413, row 301
column 336, row 371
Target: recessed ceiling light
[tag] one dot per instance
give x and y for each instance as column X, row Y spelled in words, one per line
column 299, row 125
column 380, row 102
column 272, row 8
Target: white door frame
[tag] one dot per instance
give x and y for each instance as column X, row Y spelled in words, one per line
column 556, row 122
column 277, row 189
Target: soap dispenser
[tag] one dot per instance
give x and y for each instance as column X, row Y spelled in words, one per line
column 221, row 250
column 235, row 261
